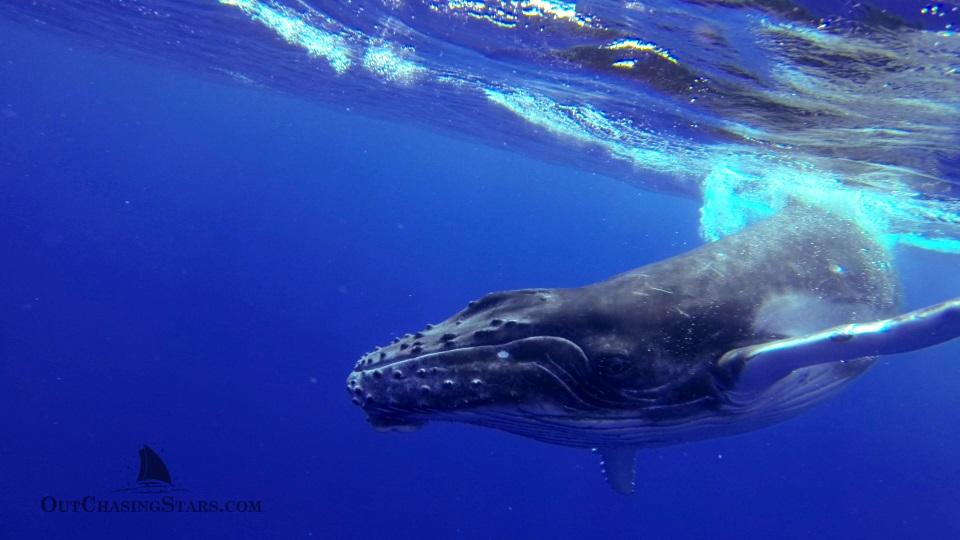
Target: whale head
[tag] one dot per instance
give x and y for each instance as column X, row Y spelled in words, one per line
column 551, row 364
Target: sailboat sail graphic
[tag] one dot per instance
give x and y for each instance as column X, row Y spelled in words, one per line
column 152, row 468
column 153, row 477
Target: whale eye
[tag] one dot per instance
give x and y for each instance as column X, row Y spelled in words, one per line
column 612, row 365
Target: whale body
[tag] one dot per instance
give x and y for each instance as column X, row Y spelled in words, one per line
column 729, row 337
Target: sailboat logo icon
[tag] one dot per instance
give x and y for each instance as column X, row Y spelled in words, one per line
column 154, row 476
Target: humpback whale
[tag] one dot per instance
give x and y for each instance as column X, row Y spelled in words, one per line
column 729, row 337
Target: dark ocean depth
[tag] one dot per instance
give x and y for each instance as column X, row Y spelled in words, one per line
column 196, row 267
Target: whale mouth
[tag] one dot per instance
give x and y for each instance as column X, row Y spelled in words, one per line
column 402, row 394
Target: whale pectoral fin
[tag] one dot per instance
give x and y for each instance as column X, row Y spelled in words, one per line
column 756, row 367
column 619, row 467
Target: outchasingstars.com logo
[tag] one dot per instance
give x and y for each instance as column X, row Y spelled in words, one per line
column 153, row 492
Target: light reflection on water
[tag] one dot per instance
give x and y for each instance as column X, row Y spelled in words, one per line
column 748, row 105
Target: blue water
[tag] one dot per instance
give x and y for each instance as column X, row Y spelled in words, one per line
column 195, row 264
